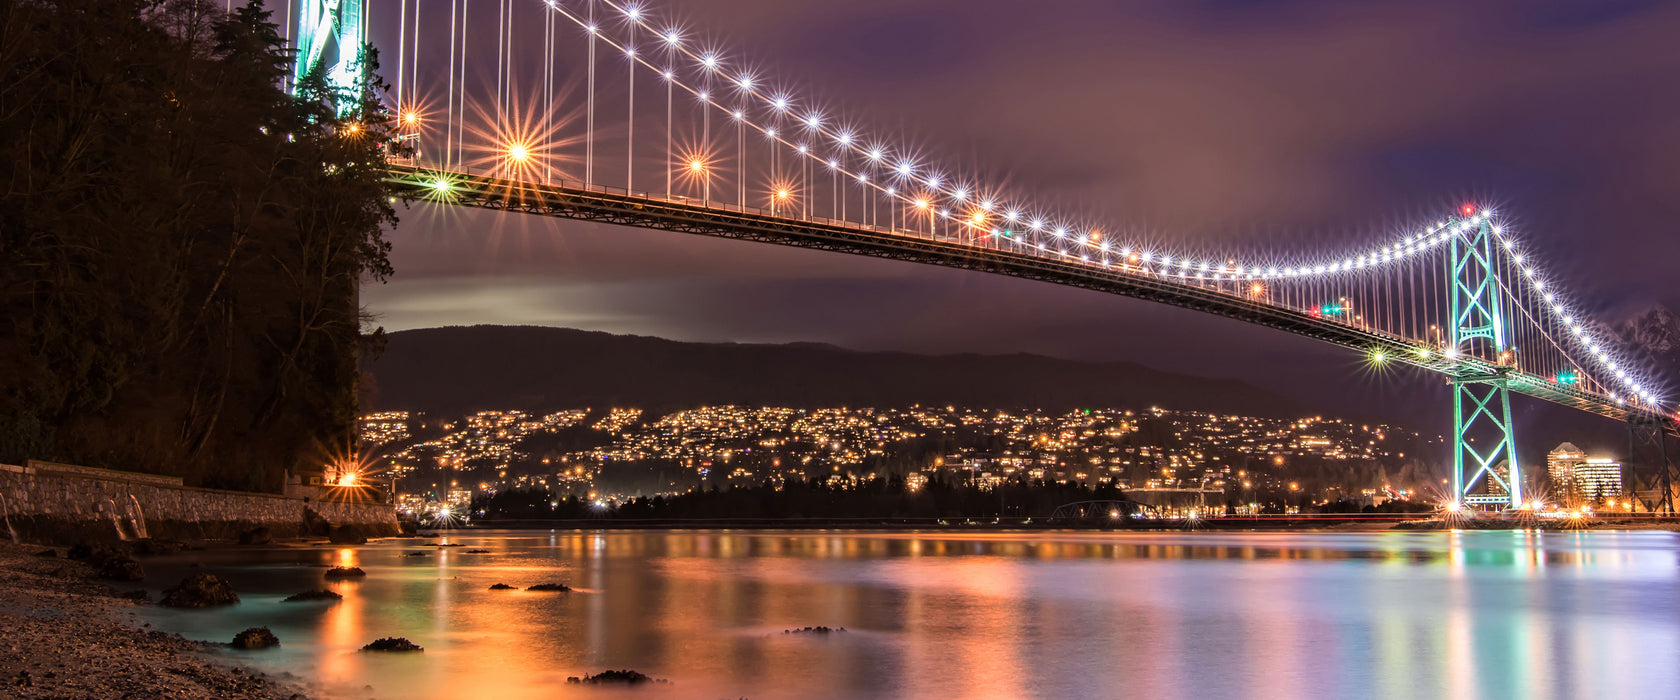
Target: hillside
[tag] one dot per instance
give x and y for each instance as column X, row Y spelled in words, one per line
column 459, row 369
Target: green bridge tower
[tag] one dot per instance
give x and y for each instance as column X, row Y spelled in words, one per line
column 1483, row 437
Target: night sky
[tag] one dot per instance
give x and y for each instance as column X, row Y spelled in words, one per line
column 1232, row 125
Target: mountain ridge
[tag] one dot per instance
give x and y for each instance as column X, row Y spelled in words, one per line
column 459, row 369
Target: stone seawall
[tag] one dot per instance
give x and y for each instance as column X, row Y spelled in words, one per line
column 45, row 502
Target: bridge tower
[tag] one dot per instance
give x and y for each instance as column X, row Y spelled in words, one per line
column 331, row 35
column 1483, row 436
column 1651, row 461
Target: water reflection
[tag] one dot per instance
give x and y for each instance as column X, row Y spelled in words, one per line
column 1186, row 615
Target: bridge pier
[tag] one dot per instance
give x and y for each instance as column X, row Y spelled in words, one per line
column 1482, row 410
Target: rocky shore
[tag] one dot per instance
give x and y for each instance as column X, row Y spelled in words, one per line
column 64, row 634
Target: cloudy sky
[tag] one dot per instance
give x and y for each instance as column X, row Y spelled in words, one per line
column 1219, row 124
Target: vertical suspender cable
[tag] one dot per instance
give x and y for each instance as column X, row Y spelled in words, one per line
column 461, row 125
column 449, row 82
column 402, row 36
column 589, row 127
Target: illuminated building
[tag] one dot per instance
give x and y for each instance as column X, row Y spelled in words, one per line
column 1560, row 467
column 1599, row 478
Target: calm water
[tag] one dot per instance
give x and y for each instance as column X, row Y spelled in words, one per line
column 1054, row 615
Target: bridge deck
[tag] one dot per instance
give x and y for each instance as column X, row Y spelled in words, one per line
column 616, row 206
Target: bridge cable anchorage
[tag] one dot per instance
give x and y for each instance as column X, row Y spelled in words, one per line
column 1458, row 296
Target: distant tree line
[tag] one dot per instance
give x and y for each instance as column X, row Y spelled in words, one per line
column 181, row 241
column 943, row 496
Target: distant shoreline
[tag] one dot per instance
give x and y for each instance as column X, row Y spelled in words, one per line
column 956, row 526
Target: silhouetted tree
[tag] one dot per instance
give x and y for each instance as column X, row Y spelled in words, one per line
column 181, row 241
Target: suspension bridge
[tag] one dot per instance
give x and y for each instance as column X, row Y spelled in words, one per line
column 600, row 110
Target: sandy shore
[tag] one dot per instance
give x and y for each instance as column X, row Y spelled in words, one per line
column 64, row 634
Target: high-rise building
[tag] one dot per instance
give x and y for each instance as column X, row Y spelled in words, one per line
column 1560, row 468
column 1496, row 486
column 1599, row 478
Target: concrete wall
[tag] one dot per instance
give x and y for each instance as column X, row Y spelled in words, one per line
column 45, row 502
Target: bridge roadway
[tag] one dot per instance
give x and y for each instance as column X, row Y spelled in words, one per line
column 570, row 200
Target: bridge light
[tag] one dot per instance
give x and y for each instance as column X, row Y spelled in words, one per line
column 1379, row 357
column 518, row 152
column 844, row 138
column 411, row 118
column 781, row 194
column 672, row 38
column 709, row 60
column 668, row 75
column 634, row 12
column 921, row 204
column 780, row 102
column 696, row 165
column 959, row 194
column 1468, row 210
column 904, row 168
column 875, row 154
column 813, row 120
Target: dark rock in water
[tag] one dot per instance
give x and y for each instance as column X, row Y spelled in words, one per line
column 348, row 534
column 392, row 644
column 502, row 587
column 339, row 572
column 121, row 569
column 47, row 553
column 80, row 552
column 415, row 554
column 139, row 596
column 317, row 594
column 551, row 587
column 199, row 590
column 256, row 536
column 255, row 638
column 477, row 551
column 625, row 676
column 814, row 630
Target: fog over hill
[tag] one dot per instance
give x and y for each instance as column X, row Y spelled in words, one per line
column 460, row 369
